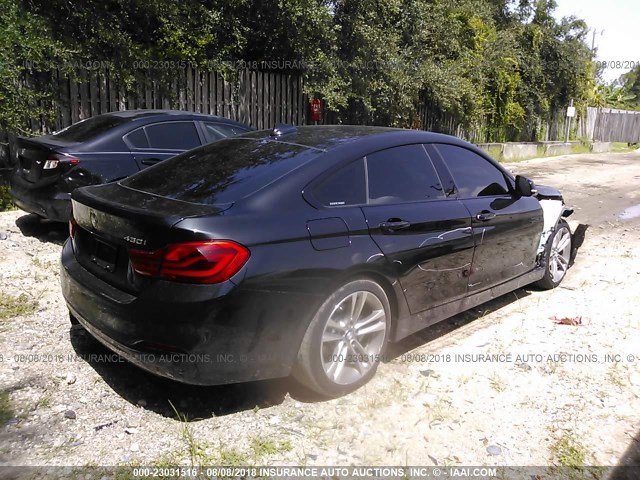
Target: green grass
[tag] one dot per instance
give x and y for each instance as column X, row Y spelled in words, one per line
column 263, row 447
column 201, row 453
column 44, row 400
column 576, row 148
column 497, row 383
column 196, row 451
column 230, row 458
column 495, row 152
column 623, row 147
column 569, row 452
column 580, row 147
column 6, row 412
column 46, row 264
column 12, row 306
column 615, row 376
column 539, row 154
column 6, row 202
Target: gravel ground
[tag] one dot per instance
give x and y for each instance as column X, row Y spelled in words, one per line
column 551, row 394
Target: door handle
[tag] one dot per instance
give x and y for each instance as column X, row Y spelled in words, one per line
column 485, row 215
column 150, row 161
column 393, row 225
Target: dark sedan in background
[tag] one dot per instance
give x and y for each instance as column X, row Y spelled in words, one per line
column 302, row 251
column 103, row 149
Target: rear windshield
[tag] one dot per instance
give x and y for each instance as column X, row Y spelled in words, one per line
column 221, row 173
column 89, row 128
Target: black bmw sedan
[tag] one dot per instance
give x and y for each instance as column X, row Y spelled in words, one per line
column 103, row 149
column 302, row 251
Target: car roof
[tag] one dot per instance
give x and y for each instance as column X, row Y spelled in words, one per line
column 329, row 137
column 117, row 124
column 309, row 151
column 157, row 114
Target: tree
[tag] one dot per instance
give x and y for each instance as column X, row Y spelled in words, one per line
column 493, row 66
column 628, row 93
column 26, row 51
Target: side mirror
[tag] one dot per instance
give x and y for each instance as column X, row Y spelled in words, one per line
column 524, row 186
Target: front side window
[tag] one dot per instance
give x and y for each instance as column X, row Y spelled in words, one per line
column 173, row 136
column 474, row 175
column 402, row 174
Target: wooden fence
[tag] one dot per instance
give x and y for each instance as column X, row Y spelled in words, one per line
column 612, row 125
column 260, row 99
column 549, row 129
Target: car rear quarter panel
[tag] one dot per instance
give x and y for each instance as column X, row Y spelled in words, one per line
column 285, row 259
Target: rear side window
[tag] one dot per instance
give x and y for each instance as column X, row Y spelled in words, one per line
column 223, row 172
column 474, row 175
column 89, row 128
column 173, row 136
column 402, row 174
column 218, row 131
column 346, row 186
column 137, row 139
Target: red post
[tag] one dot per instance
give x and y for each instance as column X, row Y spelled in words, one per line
column 315, row 106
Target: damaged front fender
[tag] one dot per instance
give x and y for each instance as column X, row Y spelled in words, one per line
column 553, row 208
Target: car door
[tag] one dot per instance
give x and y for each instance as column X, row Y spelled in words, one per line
column 425, row 234
column 159, row 141
column 506, row 227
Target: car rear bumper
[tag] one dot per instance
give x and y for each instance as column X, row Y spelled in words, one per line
column 45, row 202
column 228, row 336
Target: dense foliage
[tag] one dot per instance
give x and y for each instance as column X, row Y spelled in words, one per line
column 504, row 64
column 624, row 93
column 24, row 38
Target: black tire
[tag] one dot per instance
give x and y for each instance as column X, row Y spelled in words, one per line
column 548, row 282
column 73, row 320
column 309, row 370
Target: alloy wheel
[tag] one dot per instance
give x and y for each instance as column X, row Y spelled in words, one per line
column 560, row 254
column 353, row 337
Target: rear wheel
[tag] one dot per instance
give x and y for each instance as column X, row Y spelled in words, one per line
column 557, row 255
column 342, row 346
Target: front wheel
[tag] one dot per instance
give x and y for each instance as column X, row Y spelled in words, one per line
column 344, row 342
column 557, row 254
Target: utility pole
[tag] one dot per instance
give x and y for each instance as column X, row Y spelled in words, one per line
column 593, row 39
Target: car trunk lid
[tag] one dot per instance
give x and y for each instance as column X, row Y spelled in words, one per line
column 32, row 156
column 110, row 220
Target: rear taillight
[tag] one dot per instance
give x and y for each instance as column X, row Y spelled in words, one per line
column 211, row 261
column 55, row 159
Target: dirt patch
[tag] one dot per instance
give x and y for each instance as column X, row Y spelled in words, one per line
column 503, row 384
